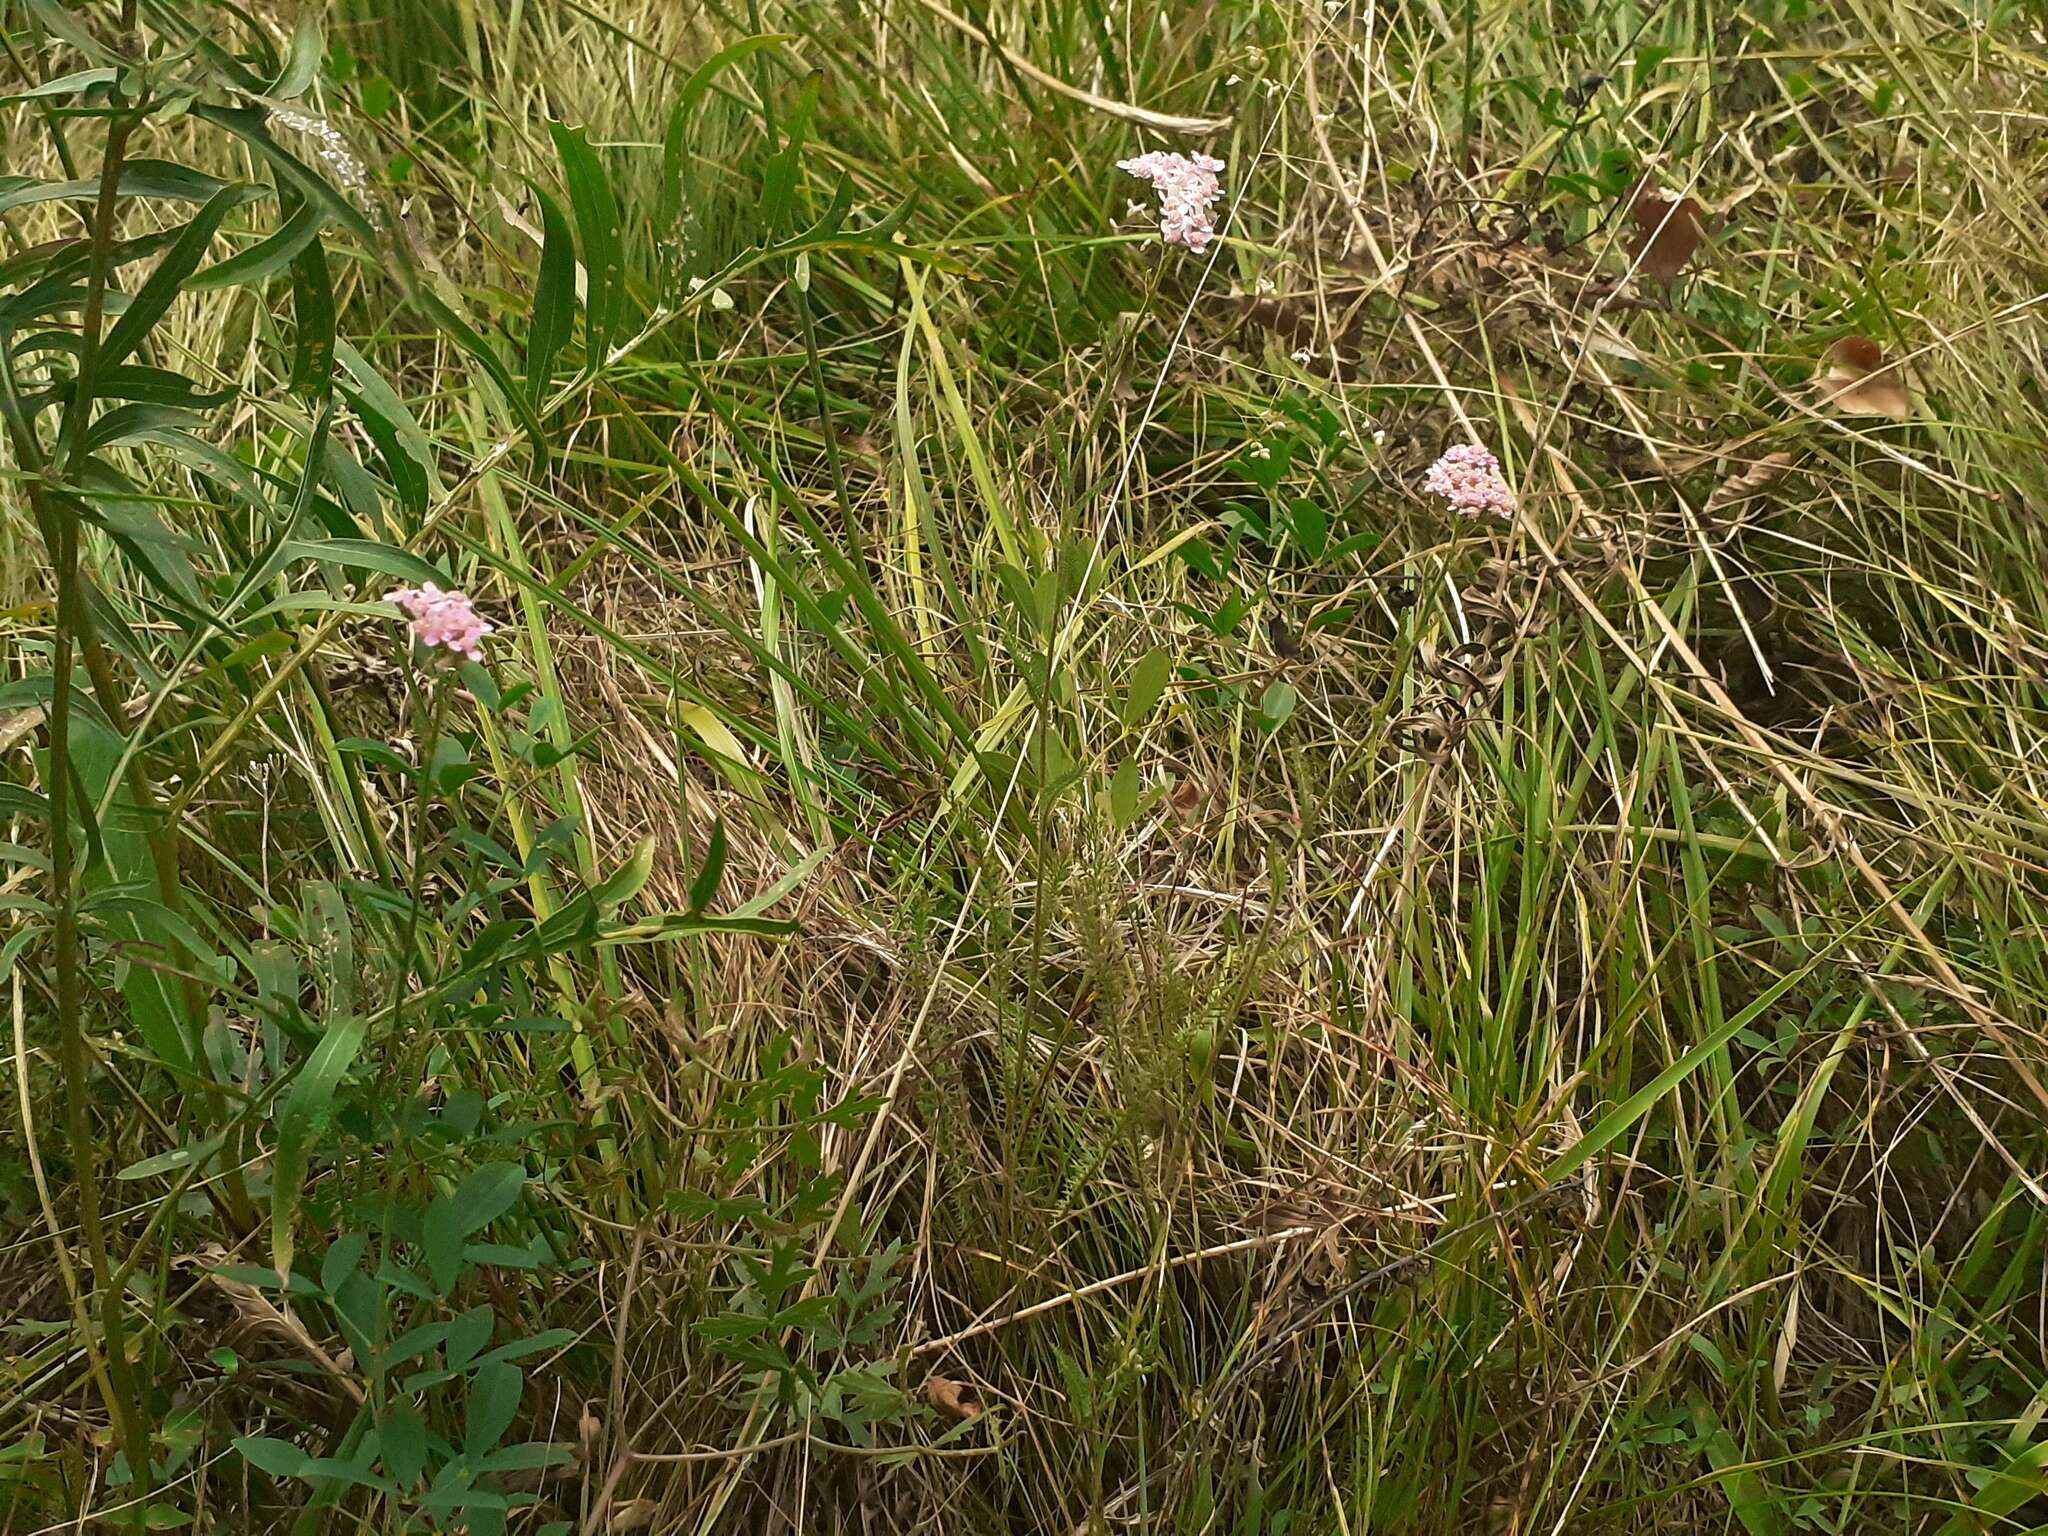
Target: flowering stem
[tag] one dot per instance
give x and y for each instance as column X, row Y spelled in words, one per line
column 423, row 807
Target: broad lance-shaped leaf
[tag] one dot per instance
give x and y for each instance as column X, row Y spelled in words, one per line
column 157, row 1002
column 305, row 1114
column 675, row 142
column 313, row 309
column 597, row 225
column 554, row 298
column 408, row 457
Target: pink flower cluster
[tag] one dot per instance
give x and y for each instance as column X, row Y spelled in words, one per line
column 445, row 619
column 1469, row 478
column 1186, row 187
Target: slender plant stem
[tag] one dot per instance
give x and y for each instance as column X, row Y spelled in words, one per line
column 124, row 1402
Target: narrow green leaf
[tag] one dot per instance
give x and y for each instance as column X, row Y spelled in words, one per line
column 408, row 457
column 363, row 555
column 251, row 125
column 480, row 352
column 302, row 58
column 1617, row 1121
column 158, row 180
column 2020, row 1480
column 704, row 887
column 778, row 182
column 268, row 256
column 172, row 1161
column 64, row 85
column 154, row 300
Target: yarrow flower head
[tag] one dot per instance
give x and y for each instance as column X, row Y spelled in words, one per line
column 1469, row 478
column 442, row 620
column 1187, row 188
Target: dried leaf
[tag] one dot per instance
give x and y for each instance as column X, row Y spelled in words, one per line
column 1285, row 646
column 1747, row 481
column 1186, row 799
column 953, row 1397
column 633, row 1515
column 589, row 1431
column 1668, row 230
column 1860, row 382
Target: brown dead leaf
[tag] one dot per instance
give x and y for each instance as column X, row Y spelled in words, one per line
column 589, row 1432
column 633, row 1515
column 1860, row 382
column 1747, row 482
column 953, row 1397
column 1668, row 230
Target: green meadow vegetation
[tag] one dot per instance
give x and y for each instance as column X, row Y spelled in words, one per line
column 1016, row 925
